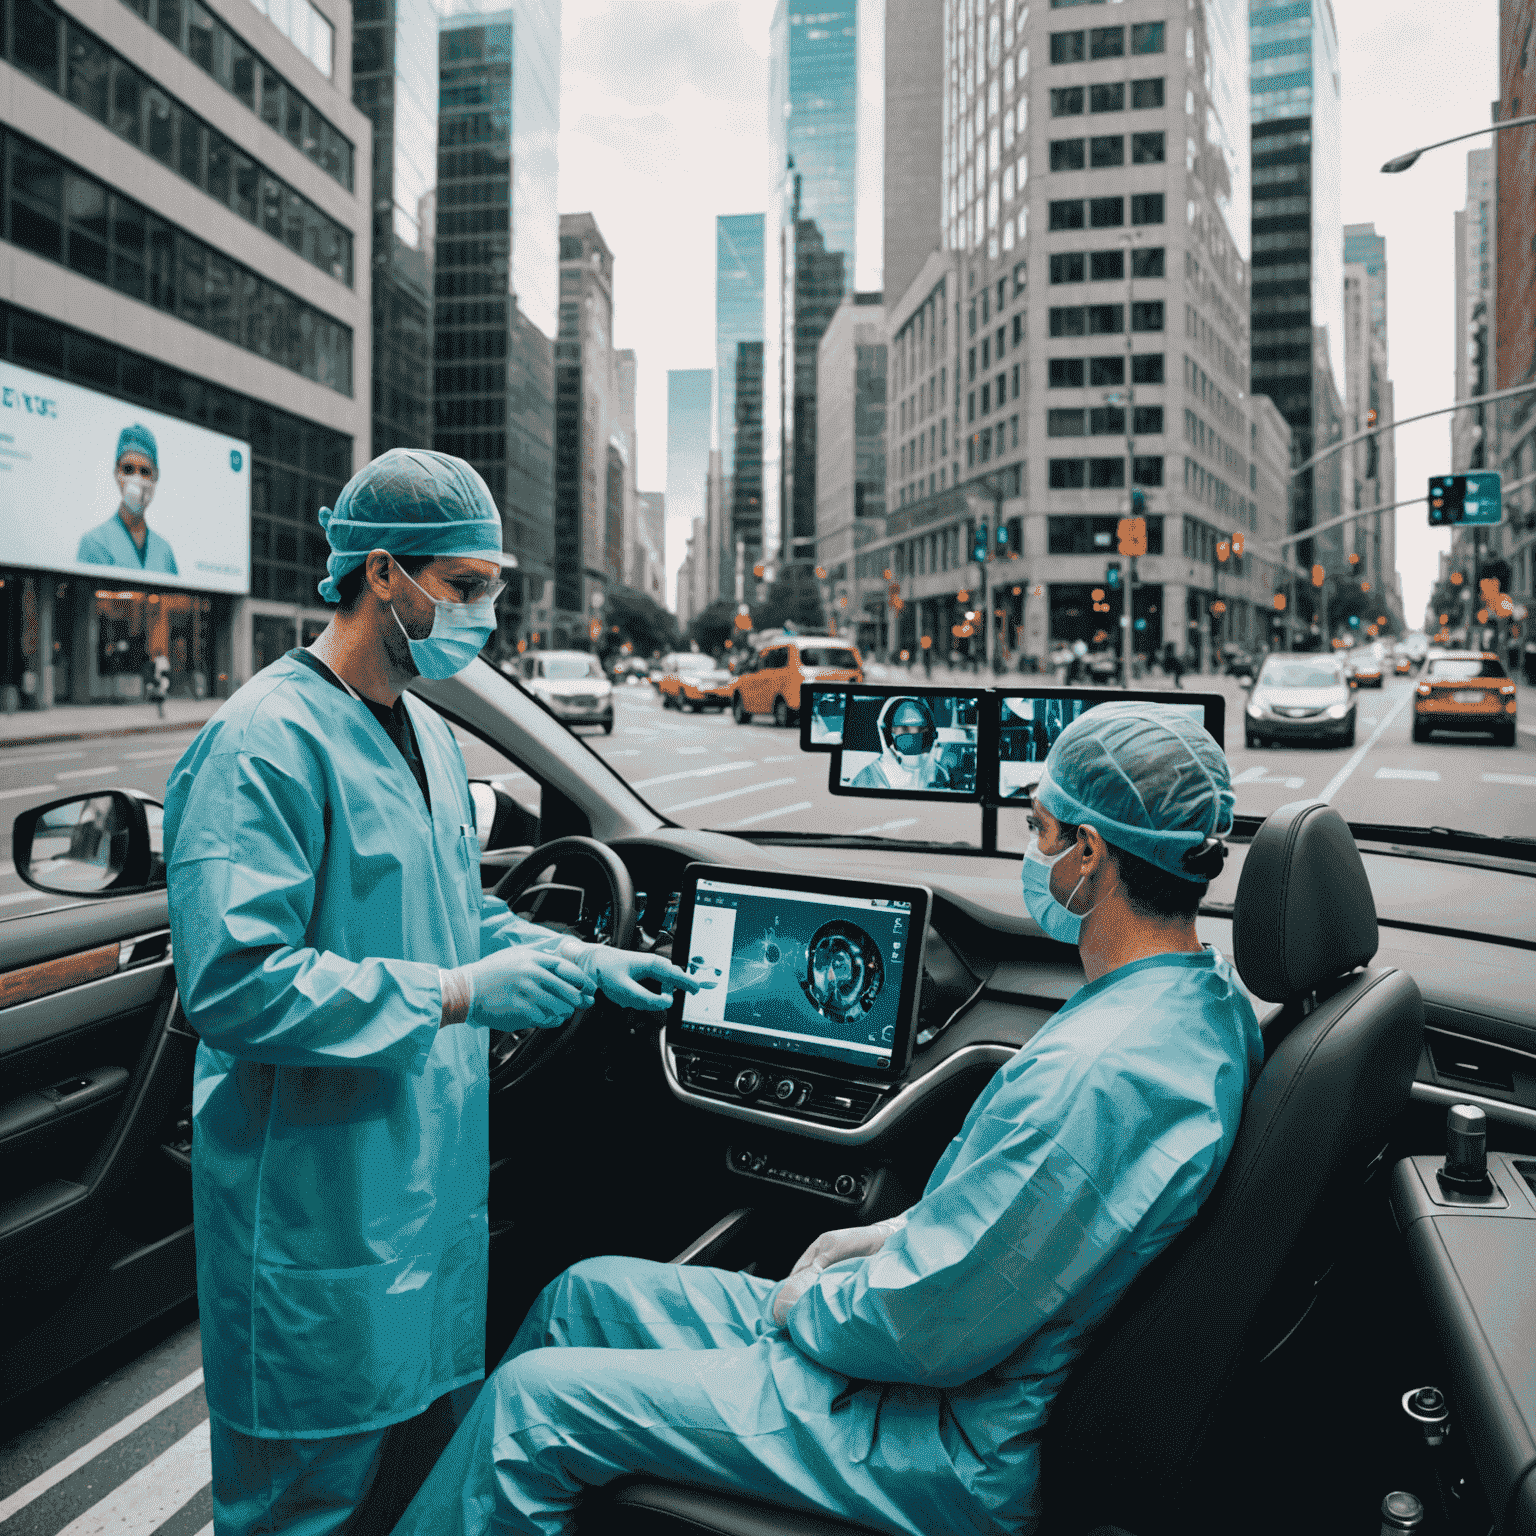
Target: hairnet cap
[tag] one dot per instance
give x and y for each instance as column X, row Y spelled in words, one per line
column 409, row 501
column 1148, row 777
column 137, row 439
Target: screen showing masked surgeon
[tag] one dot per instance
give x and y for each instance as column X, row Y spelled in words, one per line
column 911, row 743
column 93, row 484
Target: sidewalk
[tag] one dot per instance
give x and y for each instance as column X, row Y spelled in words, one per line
column 78, row 722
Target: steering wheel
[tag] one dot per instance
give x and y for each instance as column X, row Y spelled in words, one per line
column 516, row 1054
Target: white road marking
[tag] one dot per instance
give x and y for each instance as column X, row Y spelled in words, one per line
column 153, row 1494
column 39, row 757
column 1337, row 782
column 1259, row 774
column 31, row 789
column 885, row 826
column 624, row 752
column 692, row 773
column 785, row 757
column 730, row 794
column 783, row 810
column 153, row 757
column 89, row 1452
column 1428, row 775
column 85, row 773
column 688, row 751
column 1524, row 780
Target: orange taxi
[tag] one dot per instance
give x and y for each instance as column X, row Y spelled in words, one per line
column 1465, row 691
column 769, row 681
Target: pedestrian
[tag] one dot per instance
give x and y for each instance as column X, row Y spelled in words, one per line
column 1173, row 665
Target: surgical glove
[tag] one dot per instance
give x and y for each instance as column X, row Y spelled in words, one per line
column 828, row 1249
column 520, row 986
column 791, row 1290
column 617, row 973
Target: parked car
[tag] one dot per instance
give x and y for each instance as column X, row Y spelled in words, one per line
column 1465, row 691
column 769, row 682
column 1300, row 698
column 571, row 685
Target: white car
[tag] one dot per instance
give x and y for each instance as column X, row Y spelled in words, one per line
column 571, row 685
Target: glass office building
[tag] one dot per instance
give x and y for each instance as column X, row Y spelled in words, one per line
column 689, row 407
column 738, row 312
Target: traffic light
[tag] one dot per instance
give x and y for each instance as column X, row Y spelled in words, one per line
column 1223, row 549
column 1112, row 575
column 980, row 538
column 1138, row 503
column 1002, row 539
column 1318, row 575
column 1279, row 602
column 1237, row 544
column 1132, row 535
column 1354, row 621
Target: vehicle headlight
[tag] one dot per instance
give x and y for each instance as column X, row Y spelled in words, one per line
column 1256, row 710
column 1337, row 711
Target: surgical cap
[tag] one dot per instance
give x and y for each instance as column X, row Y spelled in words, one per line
column 409, row 501
column 137, row 439
column 1149, row 777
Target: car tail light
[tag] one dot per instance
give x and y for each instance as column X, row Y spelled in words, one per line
column 1507, row 688
column 1423, row 689
column 1511, row 707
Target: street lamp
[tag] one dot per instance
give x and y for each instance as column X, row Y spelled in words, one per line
column 1402, row 162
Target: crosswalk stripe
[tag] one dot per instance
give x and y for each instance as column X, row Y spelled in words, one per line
column 153, row 1494
column 1524, row 780
column 107, row 1438
column 783, row 810
column 1426, row 775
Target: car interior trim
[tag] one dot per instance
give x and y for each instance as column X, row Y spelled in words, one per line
column 1495, row 1109
column 32, row 981
column 883, row 1120
column 45, row 1018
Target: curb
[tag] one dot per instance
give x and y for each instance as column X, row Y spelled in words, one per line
column 158, row 728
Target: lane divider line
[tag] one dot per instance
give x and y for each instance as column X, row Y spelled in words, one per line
column 730, row 794
column 692, row 773
column 106, row 1439
column 1337, row 782
column 140, row 1506
column 783, row 810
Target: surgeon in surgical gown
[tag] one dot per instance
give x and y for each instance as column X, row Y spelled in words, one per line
column 901, row 1376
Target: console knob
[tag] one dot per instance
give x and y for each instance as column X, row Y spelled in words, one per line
column 748, row 1082
column 846, row 1184
column 784, row 1089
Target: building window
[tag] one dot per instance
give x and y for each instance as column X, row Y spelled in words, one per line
column 1067, row 47
column 1069, row 321
column 1018, row 329
column 1147, row 315
column 970, row 358
column 1106, row 421
column 1107, row 98
column 1066, row 474
column 970, row 406
column 1149, row 470
column 986, row 444
column 1108, row 266
column 1148, row 262
column 1106, row 43
column 1147, row 37
column 112, row 239
column 1067, row 101
column 1146, row 149
column 1146, row 94
column 1068, row 267
column 1147, row 421
column 1106, row 474
column 986, row 398
column 1020, row 278
column 1067, row 215
column 1015, row 381
column 1147, row 368
column 1064, row 373
column 1104, row 372
column 1067, row 154
column 1106, row 319
column 1109, row 212
column 1107, row 151
column 986, row 352
column 1013, row 433
column 1147, row 208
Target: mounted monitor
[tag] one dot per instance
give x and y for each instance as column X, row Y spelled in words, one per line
column 1030, row 719
column 910, row 744
column 822, row 707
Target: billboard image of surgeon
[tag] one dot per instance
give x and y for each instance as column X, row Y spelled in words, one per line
column 90, row 484
column 126, row 539
column 918, row 743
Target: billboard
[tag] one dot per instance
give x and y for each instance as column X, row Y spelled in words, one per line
column 93, row 486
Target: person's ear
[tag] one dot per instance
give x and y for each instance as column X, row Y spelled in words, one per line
column 377, row 571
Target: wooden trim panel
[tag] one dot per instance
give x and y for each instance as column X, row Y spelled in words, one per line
column 30, row 981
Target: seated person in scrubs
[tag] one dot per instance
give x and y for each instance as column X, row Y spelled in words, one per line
column 126, row 539
column 901, row 1376
column 338, row 958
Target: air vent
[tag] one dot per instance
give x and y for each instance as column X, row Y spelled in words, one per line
column 1459, row 1061
column 850, row 1103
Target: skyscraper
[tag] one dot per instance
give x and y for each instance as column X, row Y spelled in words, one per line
column 738, row 318
column 1298, row 245
column 688, row 433
column 1475, row 286
column 394, row 80
column 493, row 360
column 913, row 140
column 813, row 112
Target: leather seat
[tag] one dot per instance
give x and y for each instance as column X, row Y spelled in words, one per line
column 1123, row 1444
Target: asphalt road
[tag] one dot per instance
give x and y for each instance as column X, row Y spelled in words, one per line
column 706, row 771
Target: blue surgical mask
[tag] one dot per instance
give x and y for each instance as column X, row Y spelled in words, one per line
column 459, row 633
column 1055, row 920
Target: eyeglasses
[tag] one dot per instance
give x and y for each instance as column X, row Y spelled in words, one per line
column 469, row 589
column 136, row 469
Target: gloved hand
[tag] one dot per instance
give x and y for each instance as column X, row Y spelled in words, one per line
column 617, row 973
column 519, row 987
column 828, row 1249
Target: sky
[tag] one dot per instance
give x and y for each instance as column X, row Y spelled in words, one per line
column 664, row 125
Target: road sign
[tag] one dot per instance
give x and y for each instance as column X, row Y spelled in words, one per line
column 1131, row 533
column 1474, row 500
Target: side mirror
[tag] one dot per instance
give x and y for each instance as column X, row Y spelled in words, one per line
column 95, row 845
column 500, row 820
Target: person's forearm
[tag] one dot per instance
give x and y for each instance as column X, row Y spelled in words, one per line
column 458, row 994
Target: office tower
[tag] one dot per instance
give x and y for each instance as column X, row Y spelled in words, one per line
column 187, row 248
column 647, row 560
column 1371, row 466
column 743, row 553
column 914, row 139
column 738, row 317
column 813, row 158
column 623, row 531
column 1475, row 330
column 1298, row 282
column 592, row 447
column 394, row 80
column 689, row 405
column 850, row 441
column 494, row 249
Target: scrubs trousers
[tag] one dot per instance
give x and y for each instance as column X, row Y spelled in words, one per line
column 625, row 1367
column 343, row 1485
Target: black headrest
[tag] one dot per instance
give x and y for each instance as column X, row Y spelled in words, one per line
column 1304, row 912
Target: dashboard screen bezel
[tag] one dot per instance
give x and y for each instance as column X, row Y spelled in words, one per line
column 986, row 746
column 921, row 899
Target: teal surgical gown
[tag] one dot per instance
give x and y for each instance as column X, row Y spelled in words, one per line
column 339, row 1160
column 112, row 544
column 907, row 1391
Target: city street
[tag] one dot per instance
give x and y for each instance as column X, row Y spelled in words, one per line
column 706, row 771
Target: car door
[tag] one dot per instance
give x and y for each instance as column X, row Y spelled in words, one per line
column 95, row 1098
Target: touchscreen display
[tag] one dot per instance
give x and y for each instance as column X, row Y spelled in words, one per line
column 799, row 971
column 916, row 743
column 822, row 710
column 1028, row 726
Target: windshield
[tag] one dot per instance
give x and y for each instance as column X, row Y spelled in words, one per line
column 1459, row 669
column 1299, row 672
column 568, row 669
column 695, row 664
column 828, row 656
